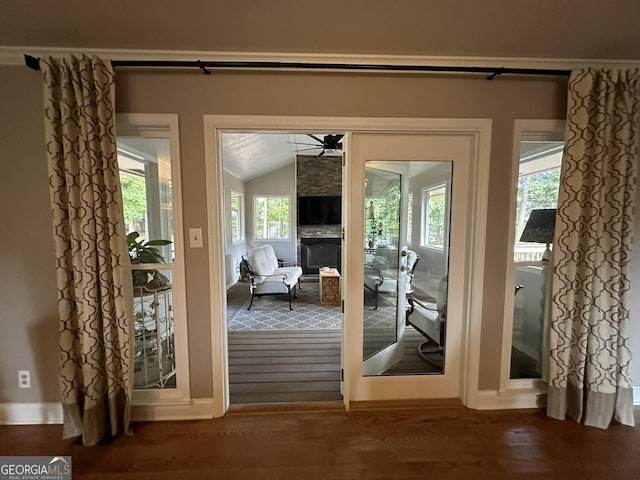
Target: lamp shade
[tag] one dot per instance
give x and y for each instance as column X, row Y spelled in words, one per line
column 540, row 226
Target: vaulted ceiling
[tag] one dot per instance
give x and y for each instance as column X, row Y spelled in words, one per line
column 250, row 155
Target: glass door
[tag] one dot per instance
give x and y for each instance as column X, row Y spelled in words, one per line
column 412, row 215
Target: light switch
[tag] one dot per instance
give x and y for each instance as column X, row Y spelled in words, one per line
column 195, row 237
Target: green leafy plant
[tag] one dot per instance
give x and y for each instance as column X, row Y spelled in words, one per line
column 146, row 252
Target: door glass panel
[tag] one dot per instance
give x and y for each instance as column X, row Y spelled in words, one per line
column 381, row 255
column 147, row 194
column 407, row 230
column 537, row 198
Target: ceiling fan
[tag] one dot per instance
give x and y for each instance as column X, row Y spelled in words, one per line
column 330, row 143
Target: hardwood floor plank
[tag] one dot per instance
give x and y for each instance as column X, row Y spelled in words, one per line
column 274, row 377
column 279, row 367
column 283, row 387
column 284, row 353
column 289, row 397
column 240, row 360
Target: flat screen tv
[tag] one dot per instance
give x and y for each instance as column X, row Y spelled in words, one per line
column 326, row 210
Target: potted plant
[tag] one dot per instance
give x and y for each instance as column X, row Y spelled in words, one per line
column 146, row 252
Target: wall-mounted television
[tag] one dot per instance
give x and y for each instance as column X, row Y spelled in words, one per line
column 325, row 210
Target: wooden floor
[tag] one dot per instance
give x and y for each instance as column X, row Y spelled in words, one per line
column 285, row 366
column 433, row 443
column 299, row 365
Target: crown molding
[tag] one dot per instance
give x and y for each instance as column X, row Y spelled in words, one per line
column 14, row 55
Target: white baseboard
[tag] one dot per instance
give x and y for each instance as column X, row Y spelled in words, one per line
column 493, row 400
column 30, row 413
column 51, row 413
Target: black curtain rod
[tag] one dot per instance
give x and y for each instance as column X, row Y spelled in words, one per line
column 34, row 63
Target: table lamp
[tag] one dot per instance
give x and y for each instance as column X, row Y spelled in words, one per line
column 539, row 229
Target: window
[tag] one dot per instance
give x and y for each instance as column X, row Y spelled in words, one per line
column 537, row 156
column 538, row 182
column 410, row 217
column 272, row 216
column 237, row 220
column 149, row 174
column 434, row 220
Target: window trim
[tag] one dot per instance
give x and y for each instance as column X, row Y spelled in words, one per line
column 255, row 226
column 241, row 219
column 424, row 212
column 166, row 126
column 524, row 130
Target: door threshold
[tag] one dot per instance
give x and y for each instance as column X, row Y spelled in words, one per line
column 286, row 407
column 406, row 404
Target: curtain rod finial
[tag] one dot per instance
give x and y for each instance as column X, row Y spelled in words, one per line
column 32, row 62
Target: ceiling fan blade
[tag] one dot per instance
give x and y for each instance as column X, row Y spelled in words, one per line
column 302, row 143
column 321, row 153
column 319, row 140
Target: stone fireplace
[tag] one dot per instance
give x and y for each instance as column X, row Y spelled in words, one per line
column 318, row 245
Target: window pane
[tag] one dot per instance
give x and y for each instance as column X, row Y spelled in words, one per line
column 145, row 175
column 538, row 182
column 155, row 363
column 236, row 217
column 434, row 217
column 272, row 217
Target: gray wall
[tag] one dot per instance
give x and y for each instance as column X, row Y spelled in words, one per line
column 28, row 314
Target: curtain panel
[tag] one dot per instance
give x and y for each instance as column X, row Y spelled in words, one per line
column 589, row 370
column 93, row 269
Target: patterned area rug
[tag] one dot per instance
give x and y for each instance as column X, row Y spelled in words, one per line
column 272, row 312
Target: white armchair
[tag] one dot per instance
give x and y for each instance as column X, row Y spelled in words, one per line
column 268, row 276
column 380, row 276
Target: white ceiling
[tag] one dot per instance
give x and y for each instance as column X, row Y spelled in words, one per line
column 251, row 155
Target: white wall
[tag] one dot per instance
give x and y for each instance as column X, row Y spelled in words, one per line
column 278, row 182
column 233, row 251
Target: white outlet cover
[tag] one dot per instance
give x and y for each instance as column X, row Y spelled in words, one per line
column 24, row 379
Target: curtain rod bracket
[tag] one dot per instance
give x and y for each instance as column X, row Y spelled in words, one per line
column 495, row 73
column 203, row 67
column 32, row 62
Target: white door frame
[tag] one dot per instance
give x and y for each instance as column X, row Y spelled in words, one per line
column 477, row 130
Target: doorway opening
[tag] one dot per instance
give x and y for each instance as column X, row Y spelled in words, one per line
column 282, row 214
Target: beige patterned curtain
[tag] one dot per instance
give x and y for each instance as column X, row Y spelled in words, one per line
column 93, row 270
column 589, row 377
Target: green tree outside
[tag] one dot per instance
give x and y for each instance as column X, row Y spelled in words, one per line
column 272, row 217
column 134, row 199
column 538, row 190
